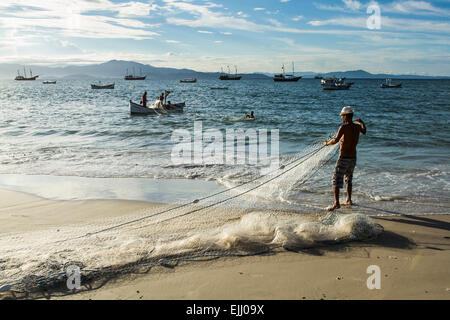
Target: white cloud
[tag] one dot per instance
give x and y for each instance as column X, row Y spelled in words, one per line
column 391, row 24
column 70, row 19
column 240, row 13
column 352, row 4
column 203, row 16
column 297, row 18
column 274, row 22
column 414, row 7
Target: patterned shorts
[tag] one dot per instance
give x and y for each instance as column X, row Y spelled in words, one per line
column 344, row 167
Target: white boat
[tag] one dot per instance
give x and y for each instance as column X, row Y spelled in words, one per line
column 136, row 108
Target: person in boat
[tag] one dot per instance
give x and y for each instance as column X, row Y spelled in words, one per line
column 144, row 100
column 169, row 105
column 347, row 136
column 250, row 116
column 157, row 104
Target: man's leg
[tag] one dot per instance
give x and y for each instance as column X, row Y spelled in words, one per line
column 348, row 181
column 336, row 204
column 349, row 194
column 338, row 178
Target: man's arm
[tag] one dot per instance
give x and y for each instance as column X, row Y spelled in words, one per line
column 363, row 126
column 335, row 139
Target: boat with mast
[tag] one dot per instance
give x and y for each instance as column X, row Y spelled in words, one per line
column 335, row 84
column 389, row 84
column 286, row 77
column 129, row 76
column 228, row 76
column 24, row 76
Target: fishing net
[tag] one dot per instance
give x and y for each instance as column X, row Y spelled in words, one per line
column 249, row 217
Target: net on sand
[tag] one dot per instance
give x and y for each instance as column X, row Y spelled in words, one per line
column 246, row 219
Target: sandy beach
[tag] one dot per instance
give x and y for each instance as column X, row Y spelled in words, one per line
column 412, row 254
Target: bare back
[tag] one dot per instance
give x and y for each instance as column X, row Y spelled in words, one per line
column 348, row 137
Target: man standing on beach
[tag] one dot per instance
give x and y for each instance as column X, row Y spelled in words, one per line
column 348, row 136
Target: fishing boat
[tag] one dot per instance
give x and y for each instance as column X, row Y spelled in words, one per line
column 106, row 86
column 335, row 84
column 24, row 77
column 389, row 84
column 136, row 108
column 286, row 77
column 192, row 80
column 158, row 107
column 129, row 76
column 228, row 76
column 49, row 82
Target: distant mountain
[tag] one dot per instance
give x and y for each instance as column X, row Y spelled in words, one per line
column 76, row 77
column 361, row 74
column 116, row 69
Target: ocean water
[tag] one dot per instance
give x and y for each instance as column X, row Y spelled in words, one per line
column 70, row 130
column 66, row 141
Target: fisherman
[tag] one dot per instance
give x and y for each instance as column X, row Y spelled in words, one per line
column 250, row 116
column 144, row 99
column 348, row 136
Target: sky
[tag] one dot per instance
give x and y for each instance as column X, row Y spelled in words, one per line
column 393, row 36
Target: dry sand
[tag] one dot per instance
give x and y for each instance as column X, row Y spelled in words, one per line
column 412, row 253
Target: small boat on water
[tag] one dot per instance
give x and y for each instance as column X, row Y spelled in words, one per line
column 132, row 77
column 192, row 80
column 49, row 82
column 106, row 86
column 158, row 107
column 215, row 88
column 389, row 84
column 286, row 77
column 335, row 84
column 136, row 108
column 228, row 76
column 24, row 77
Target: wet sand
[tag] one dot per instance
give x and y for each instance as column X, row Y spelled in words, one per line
column 412, row 253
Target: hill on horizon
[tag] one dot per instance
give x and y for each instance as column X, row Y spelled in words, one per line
column 116, row 69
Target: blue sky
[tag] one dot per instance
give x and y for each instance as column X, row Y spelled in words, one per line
column 319, row 35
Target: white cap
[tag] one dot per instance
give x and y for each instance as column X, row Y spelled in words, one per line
column 346, row 110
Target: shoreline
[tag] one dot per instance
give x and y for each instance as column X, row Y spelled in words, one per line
column 412, row 252
column 118, row 189
column 182, row 191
